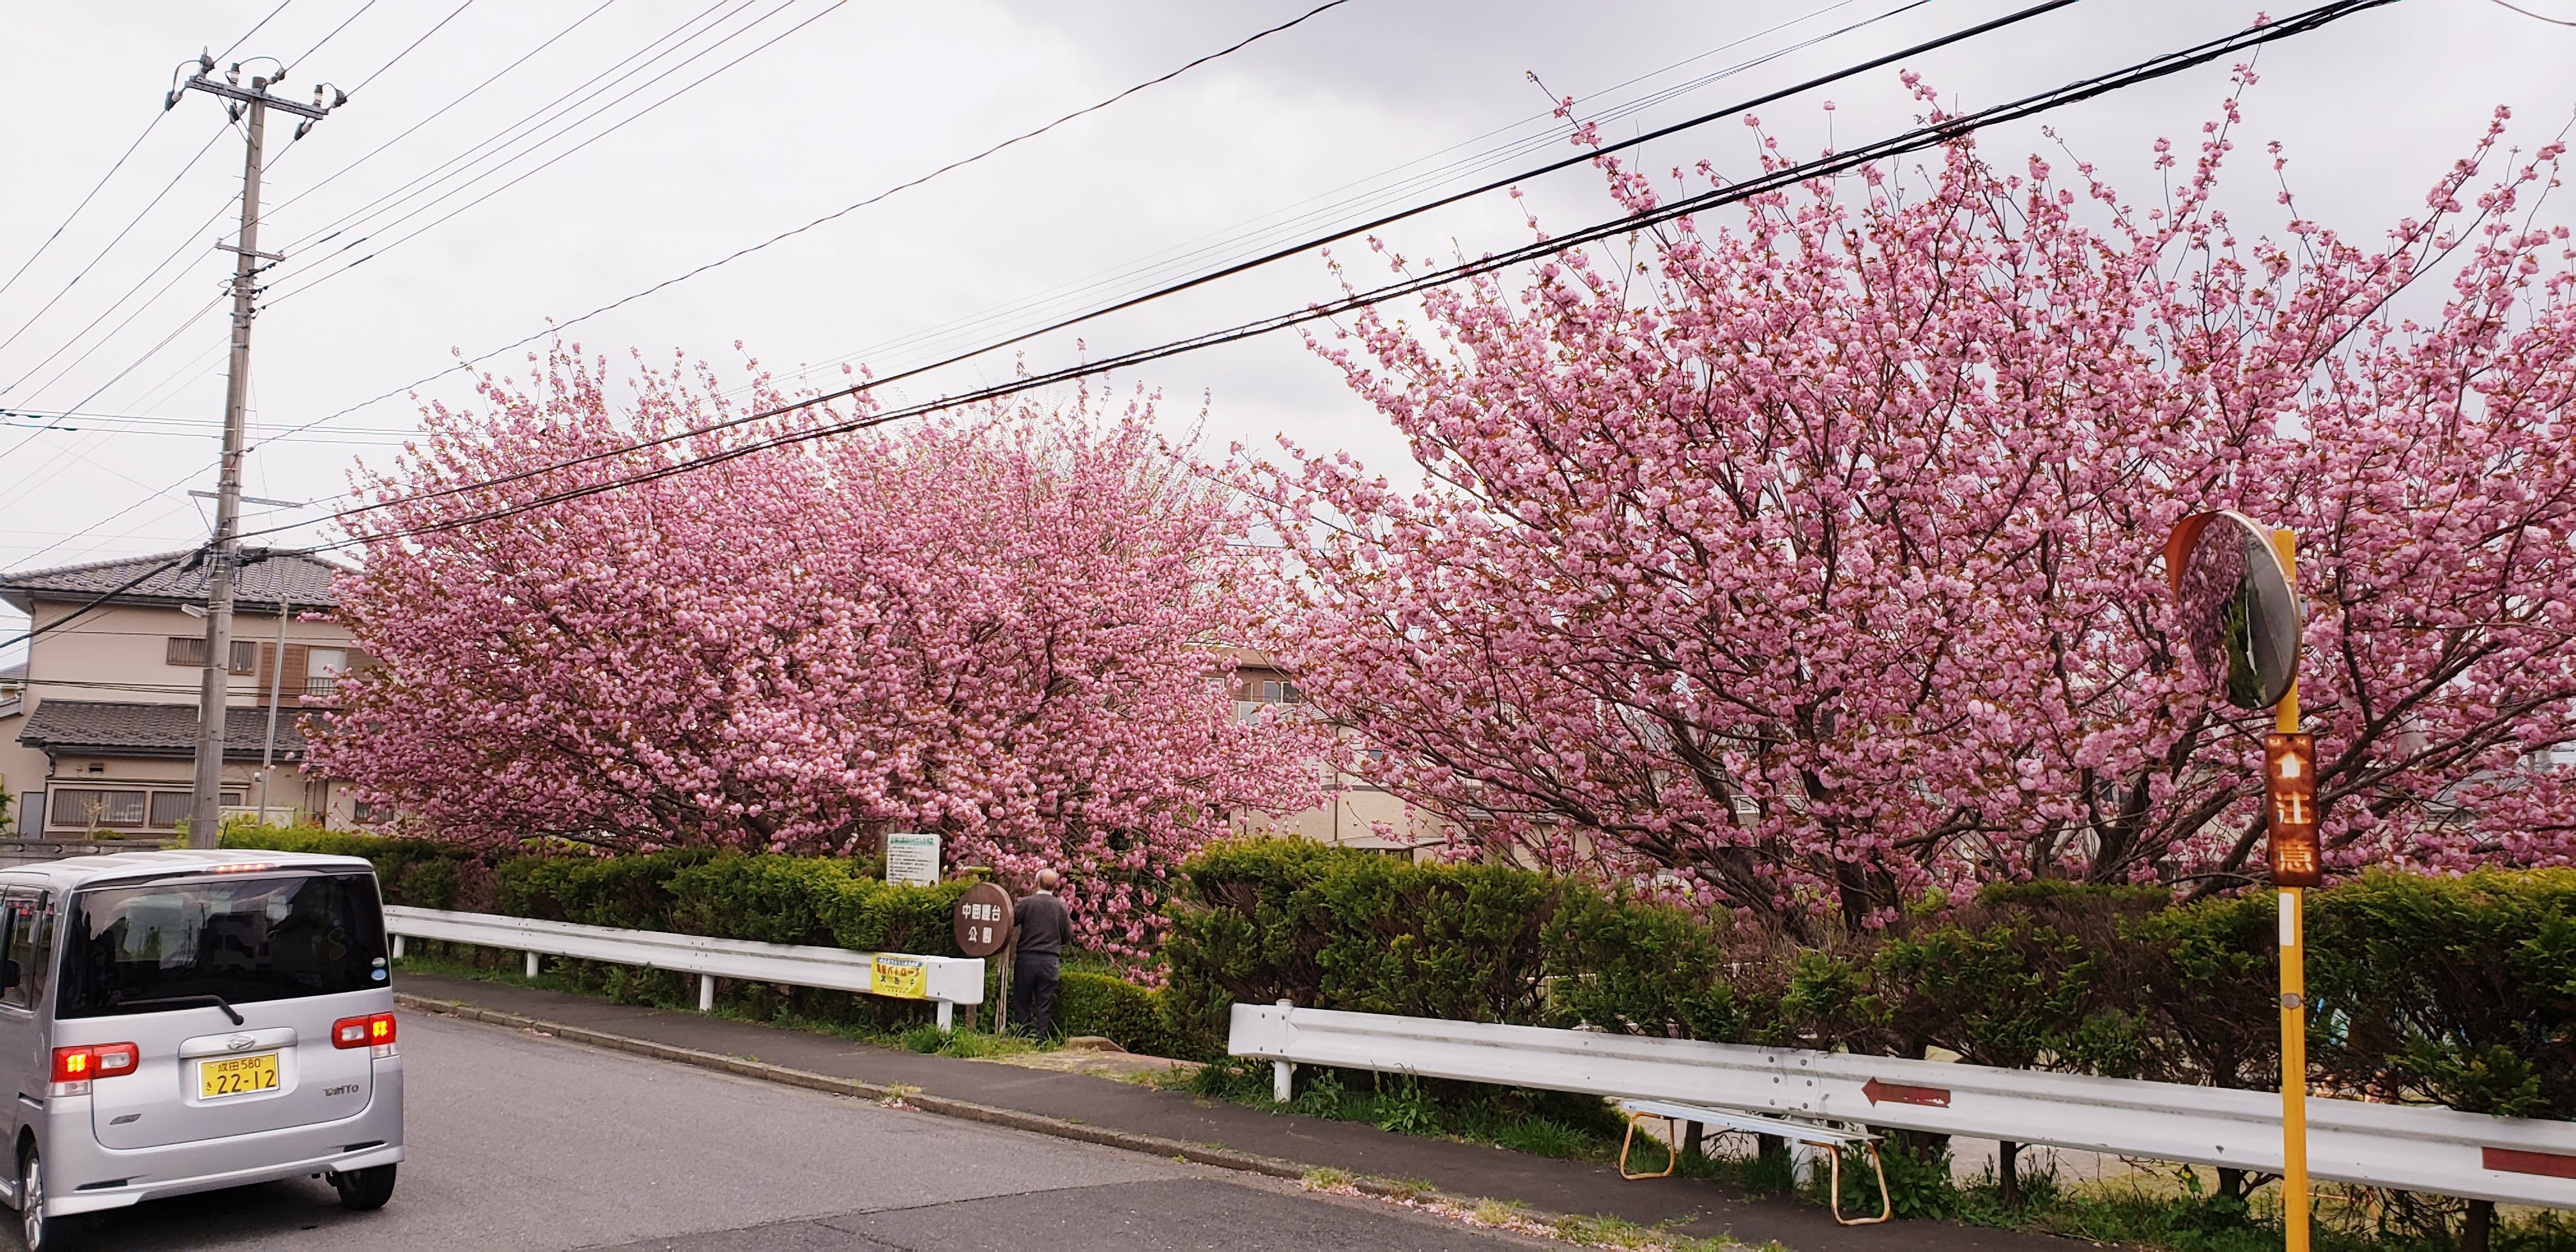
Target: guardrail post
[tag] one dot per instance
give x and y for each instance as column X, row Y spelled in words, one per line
column 1283, row 1074
column 706, row 993
column 947, row 1016
column 398, row 948
column 532, row 966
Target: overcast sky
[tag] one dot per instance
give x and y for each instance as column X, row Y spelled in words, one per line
column 1374, row 102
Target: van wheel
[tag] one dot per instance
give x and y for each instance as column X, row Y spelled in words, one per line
column 364, row 1190
column 59, row 1234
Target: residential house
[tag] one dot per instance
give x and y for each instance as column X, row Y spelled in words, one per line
column 1354, row 812
column 101, row 735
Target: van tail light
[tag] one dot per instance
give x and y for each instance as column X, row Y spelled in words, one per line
column 76, row 1068
column 374, row 1032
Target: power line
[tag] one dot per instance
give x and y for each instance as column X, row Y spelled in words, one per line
column 620, row 124
column 111, row 244
column 683, row 32
column 76, row 614
column 443, row 109
column 184, row 325
column 284, row 66
column 1184, row 254
column 2537, row 17
column 407, row 49
column 1934, row 134
column 1308, row 245
column 102, row 183
column 534, row 118
column 1217, row 244
column 254, row 29
column 837, row 214
column 1480, row 160
column 74, row 215
column 184, row 243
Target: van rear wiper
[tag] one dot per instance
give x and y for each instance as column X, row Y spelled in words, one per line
column 174, row 1001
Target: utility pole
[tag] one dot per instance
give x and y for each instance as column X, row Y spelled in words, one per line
column 205, row 813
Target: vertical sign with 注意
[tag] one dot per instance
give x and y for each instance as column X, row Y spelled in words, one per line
column 912, row 860
column 2237, row 612
column 2290, row 774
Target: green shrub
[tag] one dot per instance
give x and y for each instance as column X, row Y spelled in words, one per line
column 1264, row 920
column 1133, row 1017
column 410, row 872
column 2461, row 991
column 1639, row 968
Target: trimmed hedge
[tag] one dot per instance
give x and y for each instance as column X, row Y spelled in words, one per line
column 2460, row 991
column 1135, row 1018
column 411, row 872
column 775, row 899
column 2455, row 990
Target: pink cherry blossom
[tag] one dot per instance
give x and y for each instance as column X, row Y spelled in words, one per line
column 1002, row 627
column 1811, row 559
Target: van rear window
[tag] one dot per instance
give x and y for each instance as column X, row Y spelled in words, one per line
column 133, row 949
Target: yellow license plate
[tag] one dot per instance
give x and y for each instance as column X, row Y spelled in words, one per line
column 236, row 1075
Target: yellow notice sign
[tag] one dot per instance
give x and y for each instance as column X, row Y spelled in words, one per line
column 903, row 977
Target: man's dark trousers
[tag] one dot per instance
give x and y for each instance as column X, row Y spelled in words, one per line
column 1033, row 979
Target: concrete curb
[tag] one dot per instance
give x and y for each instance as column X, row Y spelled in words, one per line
column 1154, row 1145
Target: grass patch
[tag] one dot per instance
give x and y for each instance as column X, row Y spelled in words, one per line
column 1544, row 1123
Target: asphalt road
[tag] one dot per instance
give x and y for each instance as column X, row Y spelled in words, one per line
column 520, row 1141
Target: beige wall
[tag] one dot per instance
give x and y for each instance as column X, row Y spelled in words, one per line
column 1349, row 817
column 122, row 654
column 1352, row 809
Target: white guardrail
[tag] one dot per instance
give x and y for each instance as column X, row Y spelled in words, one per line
column 2407, row 1147
column 947, row 980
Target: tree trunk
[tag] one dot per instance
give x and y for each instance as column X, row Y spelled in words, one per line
column 2231, row 1183
column 2477, row 1225
column 1690, row 1139
column 2007, row 1175
column 1774, row 1149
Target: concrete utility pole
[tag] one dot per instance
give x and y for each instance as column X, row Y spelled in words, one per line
column 205, row 814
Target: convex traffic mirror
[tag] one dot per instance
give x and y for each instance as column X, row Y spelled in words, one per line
column 2239, row 618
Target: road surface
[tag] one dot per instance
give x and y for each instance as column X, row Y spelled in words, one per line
column 520, row 1141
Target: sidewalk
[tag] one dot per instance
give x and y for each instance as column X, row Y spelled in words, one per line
column 1119, row 1108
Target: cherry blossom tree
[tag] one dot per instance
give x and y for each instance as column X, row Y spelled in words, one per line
column 1811, row 559
column 1000, row 627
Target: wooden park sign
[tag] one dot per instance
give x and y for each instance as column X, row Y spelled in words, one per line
column 983, row 919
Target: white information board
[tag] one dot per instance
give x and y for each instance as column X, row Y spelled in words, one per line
column 912, row 860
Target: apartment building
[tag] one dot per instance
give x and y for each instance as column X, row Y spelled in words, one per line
column 100, row 734
column 1354, row 812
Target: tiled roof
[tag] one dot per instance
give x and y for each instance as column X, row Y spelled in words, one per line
column 160, row 730
column 304, row 582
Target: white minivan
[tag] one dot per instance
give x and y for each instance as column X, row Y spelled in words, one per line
column 182, row 1021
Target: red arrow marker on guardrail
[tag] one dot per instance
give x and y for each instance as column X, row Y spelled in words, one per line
column 1898, row 1093
column 2519, row 1161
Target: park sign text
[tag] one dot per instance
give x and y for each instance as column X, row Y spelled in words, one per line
column 912, row 860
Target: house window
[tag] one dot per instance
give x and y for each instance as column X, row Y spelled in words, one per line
column 322, row 670
column 190, row 650
column 371, row 812
column 90, row 808
column 1281, row 693
column 169, row 808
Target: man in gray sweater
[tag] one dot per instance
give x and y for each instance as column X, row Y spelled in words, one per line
column 1044, row 928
